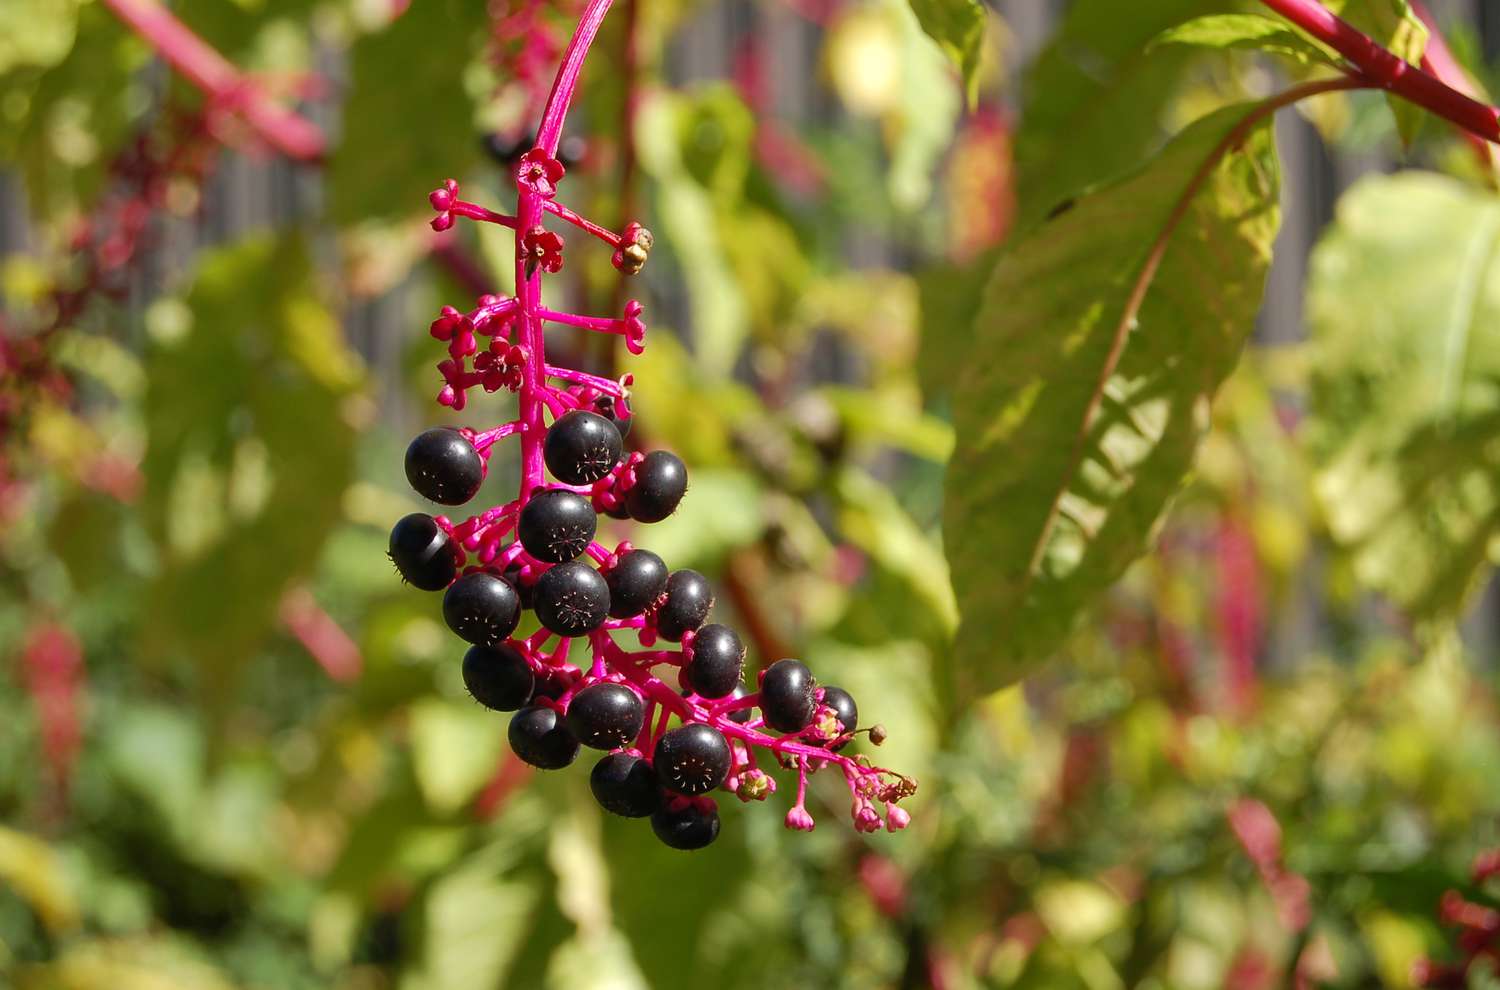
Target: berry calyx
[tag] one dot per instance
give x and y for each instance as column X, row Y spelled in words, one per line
column 581, row 448
column 686, row 825
column 556, row 525
column 572, row 599
column 443, row 466
column 660, row 483
column 498, row 677
column 786, row 696
column 689, row 598
column 482, row 608
column 606, row 715
column 625, row 784
column 635, row 582
column 692, row 759
column 539, row 737
column 718, row 657
column 422, row 552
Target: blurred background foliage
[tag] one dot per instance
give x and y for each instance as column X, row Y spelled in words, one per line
column 235, row 752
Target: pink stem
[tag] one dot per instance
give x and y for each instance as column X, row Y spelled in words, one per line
column 599, row 324
column 558, row 101
column 195, row 59
column 607, row 236
column 1388, row 71
column 476, row 212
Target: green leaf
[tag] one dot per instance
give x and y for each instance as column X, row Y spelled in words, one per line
column 455, row 748
column 36, row 32
column 1096, row 99
column 958, row 28
column 408, row 123
column 929, row 106
column 949, row 296
column 1404, row 310
column 1252, row 32
column 1063, row 469
column 59, row 123
column 249, row 451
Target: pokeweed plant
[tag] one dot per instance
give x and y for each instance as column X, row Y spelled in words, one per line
column 526, row 553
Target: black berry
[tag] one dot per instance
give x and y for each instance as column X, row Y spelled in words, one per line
column 660, row 482
column 636, row 581
column 572, row 599
column 692, row 759
column 844, row 709
column 482, row 608
column 609, row 409
column 551, row 683
column 442, row 465
column 786, row 696
column 606, row 716
column 556, row 525
column 498, row 677
column 526, row 592
column 718, row 657
column 581, row 447
column 625, row 784
column 740, row 715
column 689, row 597
column 422, row 552
column 686, row 825
column 539, row 736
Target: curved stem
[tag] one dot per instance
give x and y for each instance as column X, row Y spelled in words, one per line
column 561, row 97
column 1386, row 70
column 221, row 82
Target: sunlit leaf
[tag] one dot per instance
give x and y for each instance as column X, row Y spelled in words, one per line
column 1251, row 32
column 958, row 28
column 1403, row 305
column 249, row 450
column 36, row 32
column 1062, row 469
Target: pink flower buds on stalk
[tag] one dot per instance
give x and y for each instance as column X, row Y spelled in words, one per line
column 671, row 739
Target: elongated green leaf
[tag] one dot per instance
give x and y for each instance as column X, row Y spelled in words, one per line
column 1096, row 98
column 958, row 28
column 249, row 452
column 1062, row 470
column 1404, row 309
column 407, row 76
column 1251, row 32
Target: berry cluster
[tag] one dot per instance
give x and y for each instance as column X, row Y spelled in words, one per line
column 671, row 739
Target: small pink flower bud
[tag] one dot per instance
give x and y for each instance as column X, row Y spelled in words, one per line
column 896, row 818
column 798, row 820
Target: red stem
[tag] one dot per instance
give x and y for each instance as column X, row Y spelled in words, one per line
column 1386, row 70
column 287, row 132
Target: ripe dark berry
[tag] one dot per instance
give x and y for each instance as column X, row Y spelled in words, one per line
column 556, row 525
column 786, row 696
column 422, row 552
column 686, row 824
column 442, row 465
column 551, row 683
column 625, row 784
column 539, row 736
column 692, row 759
column 581, row 447
column 606, row 716
column 718, row 658
column 660, row 482
column 844, row 709
column 689, row 597
column 526, row 592
column 605, row 406
column 482, row 608
column 636, row 581
column 498, row 677
column 572, row 599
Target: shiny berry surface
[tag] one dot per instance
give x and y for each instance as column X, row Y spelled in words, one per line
column 443, row 466
column 689, row 599
column 692, row 760
column 556, row 525
column 572, row 599
column 539, row 737
column 422, row 552
column 482, row 608
column 625, row 784
column 686, row 825
column 786, row 696
column 498, row 677
column 606, row 715
column 581, row 447
column 718, row 658
column 660, row 483
column 635, row 582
